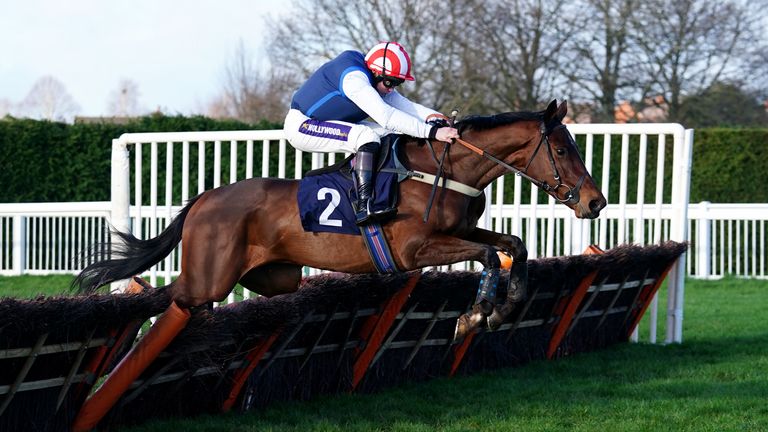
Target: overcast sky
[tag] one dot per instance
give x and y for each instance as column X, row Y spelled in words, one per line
column 176, row 51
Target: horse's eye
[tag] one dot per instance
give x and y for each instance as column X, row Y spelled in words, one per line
column 560, row 151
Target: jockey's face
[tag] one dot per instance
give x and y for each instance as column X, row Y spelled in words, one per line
column 382, row 89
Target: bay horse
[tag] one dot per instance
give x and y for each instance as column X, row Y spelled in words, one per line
column 249, row 232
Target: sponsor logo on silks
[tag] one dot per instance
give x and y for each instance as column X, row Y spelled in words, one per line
column 325, row 130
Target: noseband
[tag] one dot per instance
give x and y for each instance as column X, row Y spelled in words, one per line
column 571, row 195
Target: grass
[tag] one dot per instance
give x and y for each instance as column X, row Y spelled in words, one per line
column 52, row 285
column 717, row 380
column 33, row 286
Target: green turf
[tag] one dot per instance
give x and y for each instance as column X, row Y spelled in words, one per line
column 33, row 286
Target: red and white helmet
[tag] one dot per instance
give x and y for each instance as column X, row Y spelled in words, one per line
column 389, row 59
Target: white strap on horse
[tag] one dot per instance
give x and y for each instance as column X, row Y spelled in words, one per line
column 447, row 184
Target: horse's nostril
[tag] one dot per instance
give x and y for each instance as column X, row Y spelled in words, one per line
column 597, row 204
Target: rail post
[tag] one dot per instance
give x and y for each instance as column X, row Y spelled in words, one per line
column 119, row 216
column 682, row 153
column 19, row 245
column 704, row 242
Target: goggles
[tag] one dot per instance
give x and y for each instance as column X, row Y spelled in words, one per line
column 390, row 82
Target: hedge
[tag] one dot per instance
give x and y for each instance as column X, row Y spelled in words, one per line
column 43, row 161
column 728, row 166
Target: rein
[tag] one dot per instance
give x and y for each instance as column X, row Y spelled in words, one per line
column 572, row 194
column 439, row 174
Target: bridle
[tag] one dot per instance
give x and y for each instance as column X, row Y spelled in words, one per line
column 571, row 195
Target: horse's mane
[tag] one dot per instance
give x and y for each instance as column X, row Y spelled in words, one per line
column 477, row 122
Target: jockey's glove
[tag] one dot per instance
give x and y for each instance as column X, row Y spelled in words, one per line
column 439, row 122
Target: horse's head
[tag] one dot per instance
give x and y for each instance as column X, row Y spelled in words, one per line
column 536, row 146
column 553, row 164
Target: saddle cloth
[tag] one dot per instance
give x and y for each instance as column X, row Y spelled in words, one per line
column 325, row 196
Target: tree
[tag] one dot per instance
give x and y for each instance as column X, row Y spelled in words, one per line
column 522, row 47
column 447, row 59
column 723, row 104
column 249, row 94
column 755, row 69
column 49, row 100
column 124, row 101
column 598, row 68
column 689, row 45
column 6, row 107
column 495, row 55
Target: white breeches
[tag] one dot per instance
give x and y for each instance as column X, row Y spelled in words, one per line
column 329, row 136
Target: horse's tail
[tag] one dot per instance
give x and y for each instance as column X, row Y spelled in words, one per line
column 132, row 256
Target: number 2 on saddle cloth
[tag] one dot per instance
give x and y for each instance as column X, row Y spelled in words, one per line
column 325, row 196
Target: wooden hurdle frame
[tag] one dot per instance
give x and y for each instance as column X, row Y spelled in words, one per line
column 398, row 330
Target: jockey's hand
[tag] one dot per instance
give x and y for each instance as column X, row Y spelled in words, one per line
column 439, row 122
column 446, row 134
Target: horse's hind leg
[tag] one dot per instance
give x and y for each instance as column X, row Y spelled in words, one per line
column 208, row 272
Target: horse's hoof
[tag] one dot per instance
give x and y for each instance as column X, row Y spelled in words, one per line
column 499, row 315
column 462, row 328
column 467, row 323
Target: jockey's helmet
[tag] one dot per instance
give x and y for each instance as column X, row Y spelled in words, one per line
column 389, row 60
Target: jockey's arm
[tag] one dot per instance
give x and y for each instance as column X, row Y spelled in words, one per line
column 406, row 105
column 358, row 89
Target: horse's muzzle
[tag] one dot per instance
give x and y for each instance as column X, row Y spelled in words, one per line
column 595, row 206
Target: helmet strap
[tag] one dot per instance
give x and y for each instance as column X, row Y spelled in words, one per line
column 384, row 60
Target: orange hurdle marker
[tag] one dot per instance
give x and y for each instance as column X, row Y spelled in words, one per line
column 173, row 320
column 376, row 328
column 646, row 296
column 103, row 356
column 567, row 309
column 252, row 360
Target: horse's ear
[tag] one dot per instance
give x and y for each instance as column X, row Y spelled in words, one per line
column 551, row 110
column 562, row 110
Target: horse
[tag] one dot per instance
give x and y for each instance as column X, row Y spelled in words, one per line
column 249, row 231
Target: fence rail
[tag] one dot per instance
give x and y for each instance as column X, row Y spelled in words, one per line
column 725, row 239
column 51, row 238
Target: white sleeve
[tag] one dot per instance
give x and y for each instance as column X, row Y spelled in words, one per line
column 358, row 89
column 404, row 104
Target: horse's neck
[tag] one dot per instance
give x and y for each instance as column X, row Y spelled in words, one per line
column 468, row 167
column 460, row 164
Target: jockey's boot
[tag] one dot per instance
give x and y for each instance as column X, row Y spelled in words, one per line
column 365, row 163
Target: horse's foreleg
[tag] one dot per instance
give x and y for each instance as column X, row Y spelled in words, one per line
column 517, row 285
column 517, row 288
column 442, row 249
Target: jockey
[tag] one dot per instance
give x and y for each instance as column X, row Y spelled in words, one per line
column 328, row 114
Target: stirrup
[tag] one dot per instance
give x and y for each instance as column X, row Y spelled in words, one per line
column 365, row 216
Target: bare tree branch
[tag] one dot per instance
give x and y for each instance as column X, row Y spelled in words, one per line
column 691, row 44
column 49, row 100
column 124, row 101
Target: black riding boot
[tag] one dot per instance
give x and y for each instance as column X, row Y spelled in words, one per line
column 365, row 162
